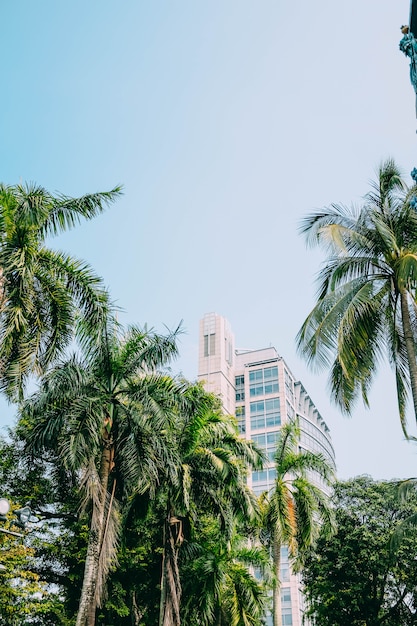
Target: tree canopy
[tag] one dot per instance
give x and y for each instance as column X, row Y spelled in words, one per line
column 366, row 304
column 41, row 289
column 355, row 578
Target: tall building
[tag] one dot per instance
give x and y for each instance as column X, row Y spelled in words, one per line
column 259, row 388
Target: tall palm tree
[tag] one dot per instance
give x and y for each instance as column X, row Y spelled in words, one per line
column 209, row 475
column 105, row 415
column 41, row 288
column 296, row 506
column 221, row 587
column 366, row 305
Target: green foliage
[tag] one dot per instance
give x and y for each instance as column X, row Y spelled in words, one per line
column 134, row 586
column 293, row 510
column 41, row 289
column 354, row 578
column 201, row 494
column 208, row 475
column 52, row 549
column 104, row 416
column 219, row 584
column 365, row 308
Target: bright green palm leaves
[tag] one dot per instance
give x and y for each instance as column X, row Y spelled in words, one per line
column 41, row 289
column 297, row 503
column 220, row 583
column 105, row 415
column 366, row 306
column 208, row 476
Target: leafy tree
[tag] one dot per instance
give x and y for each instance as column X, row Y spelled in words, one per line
column 296, row 505
column 22, row 593
column 209, row 471
column 366, row 303
column 354, row 578
column 220, row 586
column 41, row 289
column 51, row 551
column 204, row 474
column 104, row 414
column 134, row 587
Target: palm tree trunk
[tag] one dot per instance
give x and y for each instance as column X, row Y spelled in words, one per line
column 170, row 577
column 276, row 590
column 87, row 598
column 410, row 346
column 88, row 601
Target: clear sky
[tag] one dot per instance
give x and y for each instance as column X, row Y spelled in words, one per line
column 226, row 121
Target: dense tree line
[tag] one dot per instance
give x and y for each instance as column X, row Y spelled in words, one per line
column 137, row 480
column 360, row 576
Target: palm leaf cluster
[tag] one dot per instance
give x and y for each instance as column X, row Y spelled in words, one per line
column 220, row 582
column 112, row 416
column 297, row 507
column 209, row 477
column 102, row 413
column 366, row 303
column 41, row 290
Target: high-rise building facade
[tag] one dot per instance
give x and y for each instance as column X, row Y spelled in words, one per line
column 258, row 387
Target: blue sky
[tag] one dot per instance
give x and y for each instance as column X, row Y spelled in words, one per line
column 226, row 122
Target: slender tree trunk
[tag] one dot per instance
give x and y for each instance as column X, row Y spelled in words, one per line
column 276, row 591
column 410, row 346
column 88, row 601
column 163, row 586
column 87, row 598
column 170, row 578
column 136, row 614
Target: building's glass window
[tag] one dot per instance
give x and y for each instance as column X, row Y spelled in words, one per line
column 285, row 565
column 263, row 381
column 264, row 476
column 285, row 573
column 256, row 385
column 228, row 351
column 260, row 476
column 241, row 420
column 240, row 388
column 289, row 385
column 209, row 344
column 267, row 442
column 286, row 597
column 315, row 440
column 263, row 480
column 265, row 413
column 290, row 411
column 286, row 617
column 257, row 572
column 271, row 380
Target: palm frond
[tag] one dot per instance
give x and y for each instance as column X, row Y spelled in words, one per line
column 357, row 319
column 64, row 212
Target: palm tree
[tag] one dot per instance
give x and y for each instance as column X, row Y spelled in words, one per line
column 366, row 305
column 295, row 507
column 105, row 415
column 40, row 288
column 209, row 475
column 220, row 583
